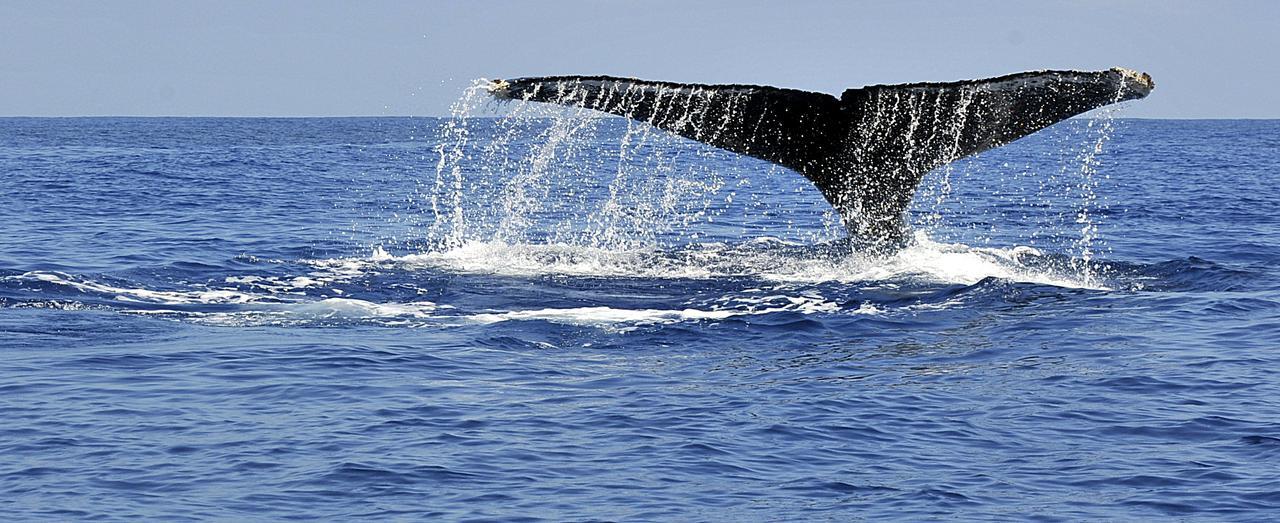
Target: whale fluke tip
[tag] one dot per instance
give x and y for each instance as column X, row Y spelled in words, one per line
column 500, row 89
column 1136, row 80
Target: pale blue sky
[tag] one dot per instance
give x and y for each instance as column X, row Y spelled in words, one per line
column 321, row 58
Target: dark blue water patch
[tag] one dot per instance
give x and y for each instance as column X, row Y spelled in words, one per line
column 1195, row 273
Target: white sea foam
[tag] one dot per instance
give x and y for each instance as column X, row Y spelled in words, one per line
column 628, row 319
column 249, row 309
column 601, row 316
column 928, row 261
column 924, row 261
column 201, row 296
column 321, row 312
column 352, row 308
column 786, row 272
column 284, row 305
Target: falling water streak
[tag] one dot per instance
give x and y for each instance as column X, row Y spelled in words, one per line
column 496, row 163
column 961, row 119
column 526, row 194
column 651, row 193
column 1088, row 215
column 610, row 214
column 455, row 137
column 639, row 206
column 613, row 230
column 940, row 189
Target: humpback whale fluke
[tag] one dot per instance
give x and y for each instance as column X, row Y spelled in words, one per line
column 865, row 151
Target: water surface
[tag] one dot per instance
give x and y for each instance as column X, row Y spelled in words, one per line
column 566, row 319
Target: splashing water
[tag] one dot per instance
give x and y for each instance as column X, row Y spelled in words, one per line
column 1088, row 216
column 452, row 151
column 556, row 175
column 563, row 174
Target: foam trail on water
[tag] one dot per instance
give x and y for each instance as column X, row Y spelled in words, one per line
column 283, row 301
column 226, row 307
column 628, row 319
column 767, row 259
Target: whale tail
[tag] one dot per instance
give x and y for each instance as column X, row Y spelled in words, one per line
column 865, row 151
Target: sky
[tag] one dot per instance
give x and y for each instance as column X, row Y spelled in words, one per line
column 325, row 58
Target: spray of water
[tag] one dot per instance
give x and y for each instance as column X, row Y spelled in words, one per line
column 559, row 174
column 1091, row 203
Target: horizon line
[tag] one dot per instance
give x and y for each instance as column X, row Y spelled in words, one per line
column 318, row 117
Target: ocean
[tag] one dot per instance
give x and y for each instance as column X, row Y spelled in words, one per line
column 555, row 317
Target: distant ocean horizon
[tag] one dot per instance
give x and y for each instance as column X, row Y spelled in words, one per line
column 500, row 116
column 557, row 318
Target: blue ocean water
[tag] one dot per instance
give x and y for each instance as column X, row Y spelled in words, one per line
column 567, row 319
